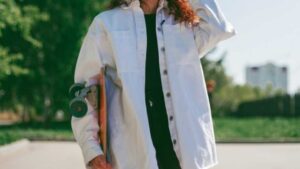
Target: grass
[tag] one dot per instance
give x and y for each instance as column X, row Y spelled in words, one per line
column 36, row 131
column 257, row 129
column 227, row 129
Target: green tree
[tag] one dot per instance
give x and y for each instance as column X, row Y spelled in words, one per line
column 227, row 95
column 16, row 39
column 51, row 65
column 15, row 25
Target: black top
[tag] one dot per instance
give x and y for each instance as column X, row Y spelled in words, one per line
column 156, row 110
column 152, row 60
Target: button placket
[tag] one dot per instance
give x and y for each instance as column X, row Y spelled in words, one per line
column 166, row 89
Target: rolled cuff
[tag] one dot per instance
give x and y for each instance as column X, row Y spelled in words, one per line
column 90, row 152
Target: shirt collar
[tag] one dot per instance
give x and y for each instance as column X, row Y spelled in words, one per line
column 136, row 3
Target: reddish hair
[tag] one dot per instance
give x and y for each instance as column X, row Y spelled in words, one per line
column 180, row 9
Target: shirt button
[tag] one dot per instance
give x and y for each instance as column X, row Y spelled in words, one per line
column 168, row 94
column 165, row 72
column 158, row 28
column 171, row 118
column 163, row 49
column 174, row 141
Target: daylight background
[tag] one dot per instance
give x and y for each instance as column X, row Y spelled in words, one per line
column 268, row 31
column 39, row 45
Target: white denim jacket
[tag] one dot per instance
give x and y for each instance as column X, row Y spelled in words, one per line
column 117, row 40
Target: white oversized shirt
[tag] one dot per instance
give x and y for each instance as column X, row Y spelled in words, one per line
column 117, row 40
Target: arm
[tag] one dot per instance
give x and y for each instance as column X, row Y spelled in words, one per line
column 213, row 27
column 88, row 65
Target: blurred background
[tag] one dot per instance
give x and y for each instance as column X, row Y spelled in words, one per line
column 252, row 80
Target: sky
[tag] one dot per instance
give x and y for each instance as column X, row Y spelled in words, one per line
column 267, row 31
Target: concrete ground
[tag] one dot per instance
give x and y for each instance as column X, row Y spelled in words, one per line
column 67, row 155
column 44, row 155
column 258, row 156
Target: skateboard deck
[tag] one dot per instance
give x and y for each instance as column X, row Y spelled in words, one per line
column 102, row 114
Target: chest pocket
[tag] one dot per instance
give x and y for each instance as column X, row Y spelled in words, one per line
column 180, row 44
column 124, row 47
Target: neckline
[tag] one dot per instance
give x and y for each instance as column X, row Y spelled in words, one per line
column 150, row 14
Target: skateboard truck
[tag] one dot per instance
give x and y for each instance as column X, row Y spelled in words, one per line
column 78, row 105
column 96, row 96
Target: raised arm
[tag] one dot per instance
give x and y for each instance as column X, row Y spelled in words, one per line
column 213, row 27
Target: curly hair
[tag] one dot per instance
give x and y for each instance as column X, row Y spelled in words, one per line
column 180, row 9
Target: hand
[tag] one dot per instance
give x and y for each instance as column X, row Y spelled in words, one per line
column 99, row 162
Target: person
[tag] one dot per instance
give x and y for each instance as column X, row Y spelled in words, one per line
column 159, row 114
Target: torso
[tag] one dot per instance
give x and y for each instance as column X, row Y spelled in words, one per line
column 157, row 115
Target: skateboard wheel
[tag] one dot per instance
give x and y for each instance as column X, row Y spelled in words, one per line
column 75, row 88
column 78, row 107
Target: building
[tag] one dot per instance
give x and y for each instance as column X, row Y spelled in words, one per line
column 268, row 74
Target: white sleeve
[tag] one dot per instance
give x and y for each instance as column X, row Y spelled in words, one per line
column 213, row 26
column 87, row 69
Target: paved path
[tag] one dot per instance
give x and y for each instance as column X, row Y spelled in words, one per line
column 44, row 155
column 258, row 156
column 67, row 155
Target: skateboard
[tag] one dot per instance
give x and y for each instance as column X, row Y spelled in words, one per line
column 96, row 96
column 102, row 115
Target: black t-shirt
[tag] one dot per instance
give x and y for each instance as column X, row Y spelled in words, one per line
column 152, row 60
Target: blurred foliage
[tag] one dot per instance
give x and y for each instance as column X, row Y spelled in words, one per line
column 229, row 129
column 40, row 41
column 227, row 95
column 16, row 25
column 280, row 105
column 59, row 131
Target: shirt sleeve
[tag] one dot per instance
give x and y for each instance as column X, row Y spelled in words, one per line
column 88, row 66
column 213, row 27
